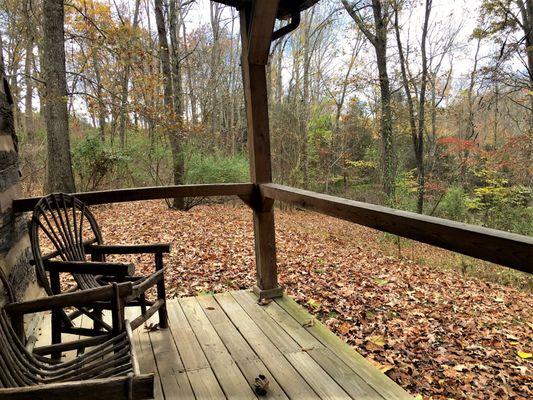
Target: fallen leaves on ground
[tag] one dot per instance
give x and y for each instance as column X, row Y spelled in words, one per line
column 434, row 332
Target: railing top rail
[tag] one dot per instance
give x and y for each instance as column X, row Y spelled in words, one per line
column 509, row 249
column 148, row 193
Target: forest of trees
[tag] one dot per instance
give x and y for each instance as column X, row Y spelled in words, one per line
column 425, row 106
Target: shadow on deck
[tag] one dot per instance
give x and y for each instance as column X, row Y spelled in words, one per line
column 218, row 345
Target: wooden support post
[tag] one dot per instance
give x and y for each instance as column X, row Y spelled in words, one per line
column 257, row 25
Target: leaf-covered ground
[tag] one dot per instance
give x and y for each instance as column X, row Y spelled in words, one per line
column 434, row 332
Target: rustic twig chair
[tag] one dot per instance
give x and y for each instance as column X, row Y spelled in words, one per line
column 72, row 231
column 108, row 370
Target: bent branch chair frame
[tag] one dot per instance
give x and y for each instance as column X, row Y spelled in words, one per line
column 65, row 222
column 109, row 369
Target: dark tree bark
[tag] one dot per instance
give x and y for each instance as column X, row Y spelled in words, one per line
column 59, row 177
column 417, row 130
column 101, row 105
column 526, row 11
column 125, row 80
column 378, row 39
column 28, row 64
column 419, row 143
column 305, row 100
column 171, row 128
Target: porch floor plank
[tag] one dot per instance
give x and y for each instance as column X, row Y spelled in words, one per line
column 216, row 346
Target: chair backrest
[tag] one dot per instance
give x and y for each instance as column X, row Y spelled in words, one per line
column 61, row 226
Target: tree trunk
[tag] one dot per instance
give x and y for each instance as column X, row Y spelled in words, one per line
column 471, row 127
column 101, row 104
column 170, row 127
column 28, row 100
column 417, row 132
column 421, row 114
column 378, row 39
column 123, row 116
column 213, row 102
column 179, row 167
column 388, row 169
column 59, row 177
column 526, row 12
column 305, row 100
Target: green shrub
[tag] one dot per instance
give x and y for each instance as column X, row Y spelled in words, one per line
column 93, row 161
column 216, row 169
column 454, row 204
column 405, row 196
column 150, row 161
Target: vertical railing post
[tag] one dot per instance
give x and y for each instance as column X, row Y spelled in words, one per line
column 257, row 25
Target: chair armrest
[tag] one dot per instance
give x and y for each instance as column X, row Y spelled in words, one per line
column 90, row 267
column 142, row 387
column 128, row 248
column 78, row 298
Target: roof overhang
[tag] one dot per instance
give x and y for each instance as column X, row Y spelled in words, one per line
column 286, row 8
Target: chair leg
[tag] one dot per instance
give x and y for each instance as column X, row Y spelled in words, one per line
column 98, row 314
column 161, row 293
column 142, row 300
column 56, row 314
column 56, row 332
column 17, row 321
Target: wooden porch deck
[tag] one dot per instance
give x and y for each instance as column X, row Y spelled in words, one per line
column 217, row 345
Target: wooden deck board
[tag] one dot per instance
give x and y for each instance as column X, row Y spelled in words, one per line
column 145, row 354
column 247, row 360
column 311, row 371
column 228, row 374
column 352, row 383
column 289, row 379
column 174, row 380
column 216, row 346
column 360, row 365
column 203, row 381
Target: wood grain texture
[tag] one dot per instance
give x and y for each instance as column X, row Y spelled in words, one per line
column 203, row 381
column 257, row 24
column 146, row 193
column 286, row 375
column 377, row 380
column 217, row 345
column 228, row 374
column 309, row 369
column 112, row 388
column 247, row 360
column 352, row 383
column 512, row 250
column 145, row 354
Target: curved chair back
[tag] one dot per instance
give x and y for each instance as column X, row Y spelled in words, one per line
column 61, row 225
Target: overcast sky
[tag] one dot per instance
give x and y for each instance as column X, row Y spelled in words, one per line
column 458, row 12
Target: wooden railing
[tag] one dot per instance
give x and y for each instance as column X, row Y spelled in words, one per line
column 148, row 193
column 512, row 250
